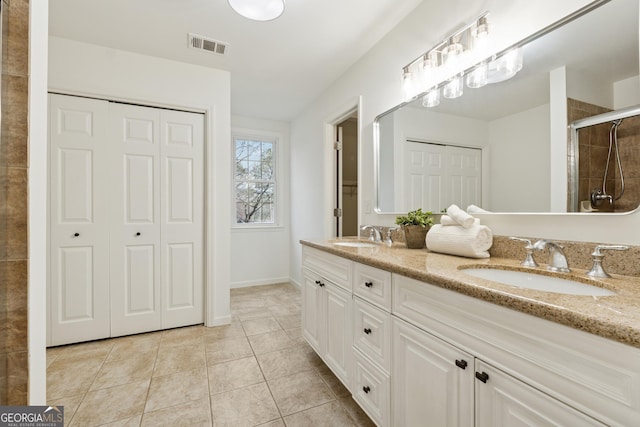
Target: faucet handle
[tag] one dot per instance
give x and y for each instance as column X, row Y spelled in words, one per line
column 528, row 260
column 387, row 240
column 597, row 270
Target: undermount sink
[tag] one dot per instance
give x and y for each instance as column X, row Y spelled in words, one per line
column 539, row 282
column 356, row 244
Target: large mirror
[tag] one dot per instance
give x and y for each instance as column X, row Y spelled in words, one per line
column 493, row 146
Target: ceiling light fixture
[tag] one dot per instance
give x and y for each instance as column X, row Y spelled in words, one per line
column 462, row 56
column 258, row 10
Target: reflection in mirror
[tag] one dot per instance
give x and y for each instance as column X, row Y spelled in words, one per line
column 493, row 146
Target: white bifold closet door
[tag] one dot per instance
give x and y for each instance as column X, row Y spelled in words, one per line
column 152, row 197
column 79, row 220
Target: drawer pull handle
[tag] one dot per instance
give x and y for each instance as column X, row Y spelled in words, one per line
column 138, row 234
column 367, row 331
column 76, row 234
column 321, row 284
column 462, row 364
column 366, row 389
column 317, row 282
column 368, row 284
column 482, row 376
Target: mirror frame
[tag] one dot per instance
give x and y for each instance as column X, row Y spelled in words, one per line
column 572, row 162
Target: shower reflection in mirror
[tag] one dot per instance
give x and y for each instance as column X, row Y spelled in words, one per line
column 607, row 151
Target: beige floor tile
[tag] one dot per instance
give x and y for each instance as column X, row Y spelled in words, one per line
column 83, row 351
column 134, row 346
column 111, row 404
column 125, row 371
column 171, row 390
column 72, row 379
column 195, row 413
column 275, row 423
column 234, row 374
column 328, row 415
column 296, row 335
column 284, row 362
column 334, row 384
column 234, row 330
column 127, row 422
column 176, row 359
column 260, row 326
column 271, row 341
column 285, row 309
column 290, row 321
column 225, row 350
column 300, row 391
column 252, row 313
column 190, row 335
column 70, row 403
column 247, row 406
column 355, row 412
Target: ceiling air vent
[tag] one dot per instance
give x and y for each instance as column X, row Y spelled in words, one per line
column 203, row 43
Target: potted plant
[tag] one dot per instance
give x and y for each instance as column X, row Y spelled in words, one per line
column 415, row 226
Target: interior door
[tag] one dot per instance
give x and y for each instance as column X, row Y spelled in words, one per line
column 79, row 239
column 182, row 141
column 135, row 219
column 338, row 189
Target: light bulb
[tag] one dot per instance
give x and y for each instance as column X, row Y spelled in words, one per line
column 431, row 98
column 258, row 10
column 451, row 52
column 454, row 88
column 478, row 76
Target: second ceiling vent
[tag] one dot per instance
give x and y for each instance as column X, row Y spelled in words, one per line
column 204, row 43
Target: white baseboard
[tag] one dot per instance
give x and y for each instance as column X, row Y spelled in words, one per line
column 220, row 321
column 263, row 282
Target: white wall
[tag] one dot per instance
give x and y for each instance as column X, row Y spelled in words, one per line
column 80, row 68
column 376, row 78
column 520, row 146
column 260, row 255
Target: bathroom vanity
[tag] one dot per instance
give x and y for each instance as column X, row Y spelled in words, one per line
column 419, row 342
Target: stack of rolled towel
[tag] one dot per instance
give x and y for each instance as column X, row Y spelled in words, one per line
column 460, row 234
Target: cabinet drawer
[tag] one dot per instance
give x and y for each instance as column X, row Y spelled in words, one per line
column 373, row 285
column 371, row 389
column 331, row 267
column 372, row 332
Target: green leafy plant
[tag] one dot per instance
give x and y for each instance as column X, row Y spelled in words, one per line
column 417, row 217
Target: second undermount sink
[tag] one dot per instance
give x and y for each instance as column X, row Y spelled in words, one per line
column 356, row 244
column 539, row 282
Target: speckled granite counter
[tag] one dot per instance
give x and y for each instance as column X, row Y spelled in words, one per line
column 614, row 317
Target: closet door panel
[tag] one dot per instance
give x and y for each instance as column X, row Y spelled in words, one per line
column 182, row 154
column 135, row 219
column 79, row 239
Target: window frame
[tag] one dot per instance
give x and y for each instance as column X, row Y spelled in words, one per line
column 256, row 136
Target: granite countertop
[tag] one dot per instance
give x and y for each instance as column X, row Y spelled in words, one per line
column 615, row 317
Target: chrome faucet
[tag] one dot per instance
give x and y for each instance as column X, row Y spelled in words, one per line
column 597, row 270
column 388, row 241
column 374, row 233
column 557, row 258
column 528, row 259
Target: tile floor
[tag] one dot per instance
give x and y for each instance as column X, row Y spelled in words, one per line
column 256, row 371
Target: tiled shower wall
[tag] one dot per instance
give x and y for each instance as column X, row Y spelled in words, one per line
column 593, row 150
column 14, row 164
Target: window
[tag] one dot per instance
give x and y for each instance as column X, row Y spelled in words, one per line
column 255, row 181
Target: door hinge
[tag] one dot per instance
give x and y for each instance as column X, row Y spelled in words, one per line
column 337, row 212
column 337, row 145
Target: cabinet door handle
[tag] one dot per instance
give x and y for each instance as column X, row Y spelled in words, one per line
column 367, row 331
column 317, row 282
column 366, row 389
column 76, row 234
column 368, row 284
column 482, row 376
column 462, row 364
column 321, row 285
column 137, row 234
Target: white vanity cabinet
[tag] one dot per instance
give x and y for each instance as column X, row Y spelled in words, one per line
column 327, row 309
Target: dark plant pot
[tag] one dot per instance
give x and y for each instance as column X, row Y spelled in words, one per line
column 415, row 235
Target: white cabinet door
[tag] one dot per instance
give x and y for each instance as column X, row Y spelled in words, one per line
column 312, row 309
column 338, row 346
column 182, row 216
column 432, row 380
column 135, row 219
column 502, row 400
column 79, row 239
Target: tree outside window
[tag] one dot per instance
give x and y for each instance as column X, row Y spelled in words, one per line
column 255, row 181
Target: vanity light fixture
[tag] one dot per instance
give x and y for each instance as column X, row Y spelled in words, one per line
column 462, row 56
column 258, row 10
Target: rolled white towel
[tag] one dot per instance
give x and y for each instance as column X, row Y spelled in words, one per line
column 460, row 216
column 476, row 209
column 472, row 242
column 447, row 220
